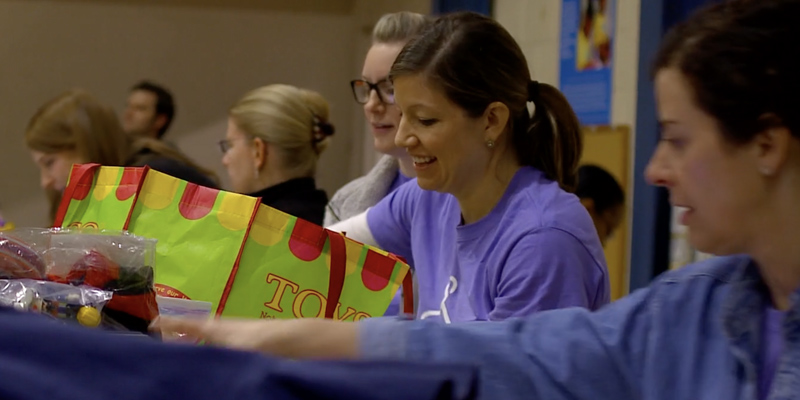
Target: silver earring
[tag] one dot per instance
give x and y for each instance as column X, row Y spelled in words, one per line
column 765, row 171
column 490, row 144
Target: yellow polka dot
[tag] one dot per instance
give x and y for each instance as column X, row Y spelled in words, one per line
column 158, row 190
column 107, row 178
column 269, row 226
column 235, row 211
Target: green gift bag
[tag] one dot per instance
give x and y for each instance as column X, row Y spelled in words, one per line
column 99, row 197
column 247, row 259
column 200, row 232
column 291, row 268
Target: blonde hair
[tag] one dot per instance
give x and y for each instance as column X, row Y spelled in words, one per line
column 293, row 119
column 76, row 121
column 399, row 27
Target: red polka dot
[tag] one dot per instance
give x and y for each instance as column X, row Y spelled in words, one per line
column 197, row 201
column 377, row 271
column 129, row 183
column 307, row 240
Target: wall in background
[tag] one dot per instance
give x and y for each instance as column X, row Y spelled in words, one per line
column 208, row 52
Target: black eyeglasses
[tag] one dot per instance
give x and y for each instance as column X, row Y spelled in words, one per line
column 362, row 90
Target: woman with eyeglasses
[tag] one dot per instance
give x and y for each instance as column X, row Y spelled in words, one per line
column 275, row 136
column 374, row 91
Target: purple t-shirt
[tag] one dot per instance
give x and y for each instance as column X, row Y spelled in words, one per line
column 771, row 348
column 536, row 250
column 397, row 300
column 398, row 181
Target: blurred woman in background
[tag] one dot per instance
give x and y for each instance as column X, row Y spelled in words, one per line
column 75, row 128
column 275, row 136
column 603, row 197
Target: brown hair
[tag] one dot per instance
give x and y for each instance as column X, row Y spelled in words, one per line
column 734, row 56
column 477, row 62
column 76, row 121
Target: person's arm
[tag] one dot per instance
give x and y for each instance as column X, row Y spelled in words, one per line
column 356, row 228
column 545, row 270
column 559, row 354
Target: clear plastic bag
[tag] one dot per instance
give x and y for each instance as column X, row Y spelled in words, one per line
column 21, row 253
column 113, row 261
column 110, row 260
column 82, row 304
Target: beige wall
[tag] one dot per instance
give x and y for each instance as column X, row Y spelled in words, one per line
column 209, row 52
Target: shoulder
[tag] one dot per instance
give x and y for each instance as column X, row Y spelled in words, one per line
column 537, row 203
column 696, row 286
column 723, row 269
column 374, row 184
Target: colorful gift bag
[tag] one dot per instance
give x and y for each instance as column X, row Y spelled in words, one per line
column 247, row 259
column 309, row 272
column 200, row 232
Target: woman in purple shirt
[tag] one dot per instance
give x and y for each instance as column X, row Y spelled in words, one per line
column 489, row 224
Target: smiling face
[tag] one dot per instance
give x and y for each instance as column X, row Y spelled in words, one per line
column 718, row 182
column 448, row 146
column 383, row 118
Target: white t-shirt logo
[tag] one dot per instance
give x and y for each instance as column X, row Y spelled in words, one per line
column 442, row 311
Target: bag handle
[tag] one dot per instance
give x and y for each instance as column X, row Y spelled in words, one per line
column 408, row 294
column 79, row 174
column 139, row 185
column 338, row 271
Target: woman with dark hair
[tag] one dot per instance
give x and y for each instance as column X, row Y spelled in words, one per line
column 489, row 226
column 725, row 328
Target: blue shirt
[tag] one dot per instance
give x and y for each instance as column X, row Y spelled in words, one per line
column 771, row 349
column 537, row 249
column 692, row 334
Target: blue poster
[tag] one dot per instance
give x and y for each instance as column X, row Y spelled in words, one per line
column 587, row 37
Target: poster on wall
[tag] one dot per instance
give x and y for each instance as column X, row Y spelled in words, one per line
column 586, row 53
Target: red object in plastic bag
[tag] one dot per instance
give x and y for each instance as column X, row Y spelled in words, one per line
column 133, row 292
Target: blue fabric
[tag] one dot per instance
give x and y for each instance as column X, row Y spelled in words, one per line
column 44, row 359
column 693, row 334
column 771, row 349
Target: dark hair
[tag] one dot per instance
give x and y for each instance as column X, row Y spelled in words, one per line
column 597, row 184
column 165, row 105
column 734, row 56
column 477, row 62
